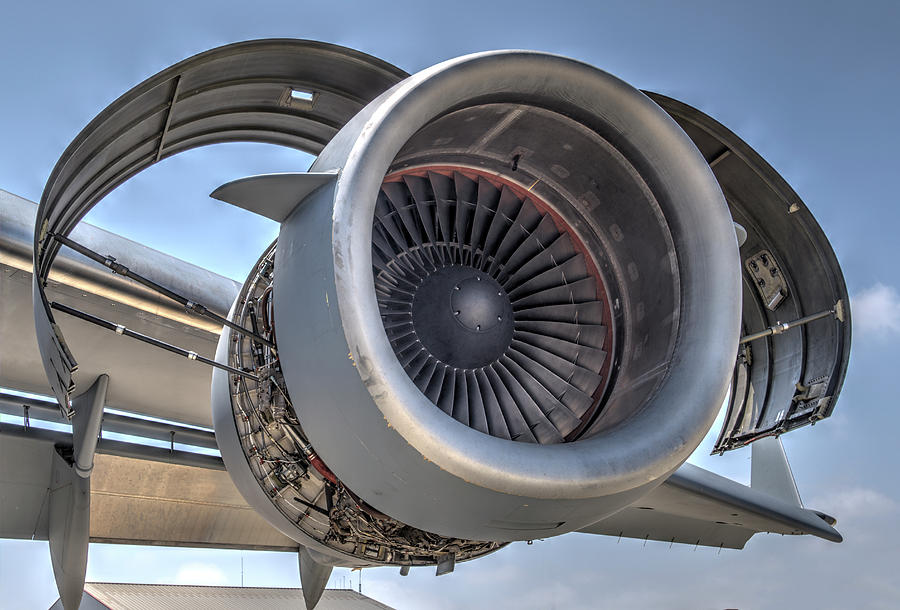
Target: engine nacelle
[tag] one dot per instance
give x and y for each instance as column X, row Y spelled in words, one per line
column 513, row 311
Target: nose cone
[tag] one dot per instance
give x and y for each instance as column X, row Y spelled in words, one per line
column 478, row 303
column 462, row 316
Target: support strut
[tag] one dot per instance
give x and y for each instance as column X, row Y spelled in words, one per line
column 779, row 328
column 121, row 330
column 120, row 269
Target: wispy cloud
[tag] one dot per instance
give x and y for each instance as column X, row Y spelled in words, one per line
column 876, row 310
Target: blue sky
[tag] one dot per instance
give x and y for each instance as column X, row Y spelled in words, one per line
column 811, row 86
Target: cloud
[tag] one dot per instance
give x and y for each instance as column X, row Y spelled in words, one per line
column 876, row 310
column 855, row 502
column 200, row 574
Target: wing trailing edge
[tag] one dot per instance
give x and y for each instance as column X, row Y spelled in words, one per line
column 696, row 506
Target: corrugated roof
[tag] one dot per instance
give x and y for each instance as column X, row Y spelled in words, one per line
column 120, row 596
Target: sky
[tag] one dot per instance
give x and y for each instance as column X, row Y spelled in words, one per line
column 812, row 86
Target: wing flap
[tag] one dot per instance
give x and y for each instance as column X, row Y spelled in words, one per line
column 137, row 501
column 133, row 500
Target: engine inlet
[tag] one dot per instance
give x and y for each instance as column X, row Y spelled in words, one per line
column 491, row 303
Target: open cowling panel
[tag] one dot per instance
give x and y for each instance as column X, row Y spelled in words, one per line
column 795, row 312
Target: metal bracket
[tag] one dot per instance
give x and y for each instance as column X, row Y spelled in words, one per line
column 446, row 564
column 86, row 423
column 768, row 278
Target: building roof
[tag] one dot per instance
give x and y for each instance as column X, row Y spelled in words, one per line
column 120, row 596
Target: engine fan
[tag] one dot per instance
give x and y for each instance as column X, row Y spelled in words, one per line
column 491, row 303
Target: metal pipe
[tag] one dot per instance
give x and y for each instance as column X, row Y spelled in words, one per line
column 121, row 330
column 48, row 411
column 120, row 448
column 779, row 328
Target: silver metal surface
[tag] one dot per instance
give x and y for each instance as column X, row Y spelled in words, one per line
column 69, row 508
column 140, row 501
column 86, row 425
column 139, row 495
column 46, row 410
column 148, row 381
column 71, row 269
column 313, row 577
column 118, row 268
column 770, row 472
column 695, row 506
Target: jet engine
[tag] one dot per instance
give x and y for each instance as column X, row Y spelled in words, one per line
column 506, row 301
column 504, row 304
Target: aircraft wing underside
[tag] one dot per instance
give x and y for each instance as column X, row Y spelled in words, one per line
column 147, row 496
column 144, row 501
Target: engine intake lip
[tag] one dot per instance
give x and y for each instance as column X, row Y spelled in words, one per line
column 661, row 434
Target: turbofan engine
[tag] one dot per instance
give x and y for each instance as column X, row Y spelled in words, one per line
column 504, row 303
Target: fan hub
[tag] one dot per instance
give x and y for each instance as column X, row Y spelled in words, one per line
column 479, row 303
column 462, row 316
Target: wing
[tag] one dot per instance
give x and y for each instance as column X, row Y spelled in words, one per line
column 695, row 506
column 139, row 495
column 146, row 379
